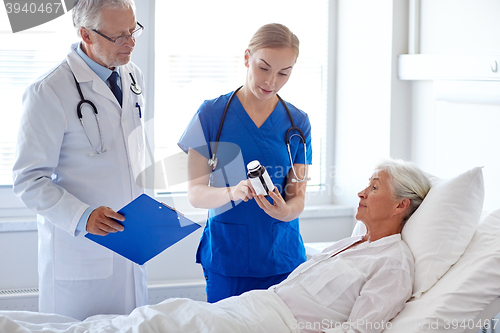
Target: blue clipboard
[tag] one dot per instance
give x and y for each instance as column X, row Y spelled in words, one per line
column 150, row 228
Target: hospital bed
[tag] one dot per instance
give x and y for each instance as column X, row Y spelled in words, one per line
column 466, row 298
column 457, row 281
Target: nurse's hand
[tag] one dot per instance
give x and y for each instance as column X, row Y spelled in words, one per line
column 278, row 210
column 102, row 221
column 242, row 191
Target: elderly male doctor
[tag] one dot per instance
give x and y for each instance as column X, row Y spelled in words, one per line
column 75, row 176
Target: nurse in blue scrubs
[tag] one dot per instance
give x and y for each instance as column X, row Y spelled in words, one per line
column 249, row 241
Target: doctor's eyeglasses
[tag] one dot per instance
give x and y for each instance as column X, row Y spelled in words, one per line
column 123, row 39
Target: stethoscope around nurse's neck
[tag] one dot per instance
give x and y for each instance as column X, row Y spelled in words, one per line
column 136, row 89
column 212, row 162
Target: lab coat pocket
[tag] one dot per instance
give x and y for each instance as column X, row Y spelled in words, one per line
column 229, row 248
column 328, row 281
column 78, row 258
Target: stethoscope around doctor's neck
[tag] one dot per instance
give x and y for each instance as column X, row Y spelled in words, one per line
column 136, row 89
column 213, row 161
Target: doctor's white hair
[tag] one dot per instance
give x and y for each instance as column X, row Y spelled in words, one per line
column 87, row 13
column 407, row 181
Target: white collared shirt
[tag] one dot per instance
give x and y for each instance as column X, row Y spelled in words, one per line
column 356, row 290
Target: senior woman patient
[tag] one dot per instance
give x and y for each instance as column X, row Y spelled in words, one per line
column 362, row 281
column 356, row 285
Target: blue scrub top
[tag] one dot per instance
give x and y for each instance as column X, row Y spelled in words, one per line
column 240, row 239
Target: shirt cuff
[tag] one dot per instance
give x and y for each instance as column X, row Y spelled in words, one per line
column 82, row 224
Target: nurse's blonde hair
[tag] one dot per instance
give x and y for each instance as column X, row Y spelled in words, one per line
column 274, row 36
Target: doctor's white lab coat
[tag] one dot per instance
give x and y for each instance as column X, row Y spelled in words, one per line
column 56, row 176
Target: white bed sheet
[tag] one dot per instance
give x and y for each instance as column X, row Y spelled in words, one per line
column 255, row 311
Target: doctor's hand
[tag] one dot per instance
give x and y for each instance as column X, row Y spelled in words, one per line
column 242, row 191
column 278, row 210
column 102, row 221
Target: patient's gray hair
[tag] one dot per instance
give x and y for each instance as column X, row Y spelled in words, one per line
column 407, row 181
column 87, row 13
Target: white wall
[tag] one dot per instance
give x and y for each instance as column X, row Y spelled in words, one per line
column 459, row 26
column 448, row 137
column 378, row 115
column 372, row 105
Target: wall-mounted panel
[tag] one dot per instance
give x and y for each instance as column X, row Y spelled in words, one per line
column 449, row 67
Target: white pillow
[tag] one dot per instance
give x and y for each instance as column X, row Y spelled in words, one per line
column 442, row 227
column 454, row 302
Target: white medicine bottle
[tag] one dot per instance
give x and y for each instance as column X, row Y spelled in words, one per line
column 259, row 178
